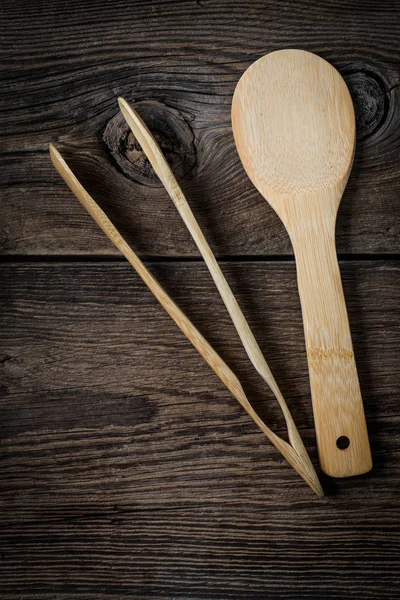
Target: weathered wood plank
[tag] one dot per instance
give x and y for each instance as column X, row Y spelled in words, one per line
column 64, row 64
column 128, row 471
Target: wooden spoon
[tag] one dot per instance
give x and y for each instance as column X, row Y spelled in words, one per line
column 294, row 127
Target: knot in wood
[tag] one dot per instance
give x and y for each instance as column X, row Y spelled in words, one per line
column 172, row 132
column 370, row 98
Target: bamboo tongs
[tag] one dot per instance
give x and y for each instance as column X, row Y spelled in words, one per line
column 295, row 453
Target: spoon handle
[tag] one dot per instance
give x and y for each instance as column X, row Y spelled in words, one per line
column 337, row 403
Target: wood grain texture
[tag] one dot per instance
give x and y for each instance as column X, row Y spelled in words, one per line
column 123, row 476
column 294, row 127
column 64, row 64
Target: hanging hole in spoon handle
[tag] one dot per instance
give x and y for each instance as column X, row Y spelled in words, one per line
column 343, row 442
column 340, row 424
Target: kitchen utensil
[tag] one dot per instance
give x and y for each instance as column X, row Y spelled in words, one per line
column 294, row 128
column 297, row 460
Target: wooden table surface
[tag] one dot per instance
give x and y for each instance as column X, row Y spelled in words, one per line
column 127, row 469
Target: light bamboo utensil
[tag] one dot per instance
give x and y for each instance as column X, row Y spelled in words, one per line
column 302, row 466
column 294, row 127
column 163, row 170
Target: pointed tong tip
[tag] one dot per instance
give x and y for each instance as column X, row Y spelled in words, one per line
column 132, row 118
column 126, row 108
column 122, row 102
column 54, row 154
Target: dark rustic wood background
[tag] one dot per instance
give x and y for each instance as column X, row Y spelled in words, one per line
column 127, row 470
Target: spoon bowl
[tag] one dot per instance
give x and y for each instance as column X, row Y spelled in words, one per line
column 294, row 128
column 294, row 125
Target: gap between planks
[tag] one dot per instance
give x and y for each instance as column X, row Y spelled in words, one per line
column 99, row 258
